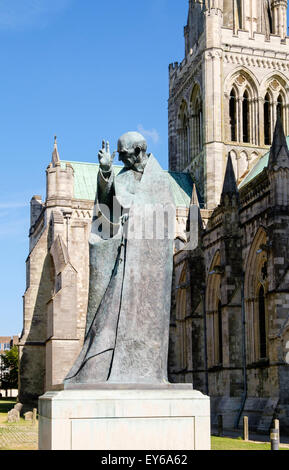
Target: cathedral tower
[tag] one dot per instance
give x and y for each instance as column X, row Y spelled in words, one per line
column 226, row 94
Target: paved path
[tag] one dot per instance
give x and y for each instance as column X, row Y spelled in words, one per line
column 18, row 437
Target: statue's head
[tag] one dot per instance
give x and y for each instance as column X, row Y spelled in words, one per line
column 132, row 149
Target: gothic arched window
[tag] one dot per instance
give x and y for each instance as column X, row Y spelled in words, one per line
column 186, row 150
column 183, row 136
column 267, row 120
column 220, row 332
column 275, row 104
column 183, row 327
column 280, row 107
column 196, row 121
column 199, row 119
column 255, row 293
column 233, row 117
column 214, row 314
column 242, row 109
column 262, row 324
column 246, row 118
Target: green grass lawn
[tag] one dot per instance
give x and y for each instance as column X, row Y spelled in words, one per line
column 225, row 443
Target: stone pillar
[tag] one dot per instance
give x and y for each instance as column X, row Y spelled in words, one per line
column 240, row 118
column 261, row 125
column 279, row 10
column 213, row 142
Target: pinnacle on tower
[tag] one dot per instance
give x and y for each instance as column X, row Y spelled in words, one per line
column 230, row 185
column 194, row 223
column 55, row 154
column 195, row 198
column 279, row 153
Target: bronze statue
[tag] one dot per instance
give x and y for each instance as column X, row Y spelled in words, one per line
column 130, row 276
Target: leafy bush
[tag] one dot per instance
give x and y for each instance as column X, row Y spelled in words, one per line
column 9, row 369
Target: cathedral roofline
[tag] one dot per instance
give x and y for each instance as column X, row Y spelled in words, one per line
column 85, row 178
column 257, row 169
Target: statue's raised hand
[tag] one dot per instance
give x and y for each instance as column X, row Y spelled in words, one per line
column 105, row 159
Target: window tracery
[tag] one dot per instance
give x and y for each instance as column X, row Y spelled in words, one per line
column 214, row 314
column 256, row 288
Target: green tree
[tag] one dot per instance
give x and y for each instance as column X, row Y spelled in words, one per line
column 9, row 369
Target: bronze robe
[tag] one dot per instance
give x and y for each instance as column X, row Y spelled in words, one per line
column 130, row 286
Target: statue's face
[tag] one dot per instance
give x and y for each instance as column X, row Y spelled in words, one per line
column 128, row 154
column 128, row 157
column 131, row 148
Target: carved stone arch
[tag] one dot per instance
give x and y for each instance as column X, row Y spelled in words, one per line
column 195, row 93
column 243, row 117
column 230, row 80
column 242, row 164
column 232, row 113
column 213, row 284
column 196, row 120
column 183, row 134
column 249, row 87
column 235, row 89
column 256, row 280
column 182, row 312
column 214, row 313
column 269, row 78
column 252, row 159
column 183, row 284
column 253, row 261
column 183, row 111
column 269, row 92
column 275, row 85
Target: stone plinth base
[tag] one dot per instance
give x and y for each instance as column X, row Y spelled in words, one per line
column 165, row 418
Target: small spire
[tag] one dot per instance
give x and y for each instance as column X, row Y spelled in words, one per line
column 279, row 153
column 55, row 154
column 194, row 225
column 195, row 199
column 230, row 184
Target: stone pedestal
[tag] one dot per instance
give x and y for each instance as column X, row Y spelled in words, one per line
column 124, row 418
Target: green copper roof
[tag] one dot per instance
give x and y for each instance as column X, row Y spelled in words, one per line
column 182, row 187
column 85, row 178
column 258, row 168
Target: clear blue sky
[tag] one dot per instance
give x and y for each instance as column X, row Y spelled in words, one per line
column 83, row 70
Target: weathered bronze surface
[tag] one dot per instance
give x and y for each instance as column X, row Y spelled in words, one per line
column 130, row 275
